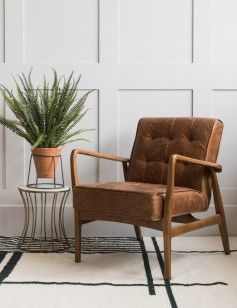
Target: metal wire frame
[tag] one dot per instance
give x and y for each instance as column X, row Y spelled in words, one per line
column 50, row 185
column 37, row 201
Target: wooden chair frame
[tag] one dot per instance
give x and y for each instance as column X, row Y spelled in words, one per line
column 189, row 223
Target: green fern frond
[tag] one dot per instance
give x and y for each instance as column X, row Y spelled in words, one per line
column 46, row 115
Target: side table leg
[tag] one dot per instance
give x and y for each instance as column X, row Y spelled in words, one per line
column 41, row 217
column 26, row 221
column 35, row 198
column 45, row 202
column 30, row 201
column 54, row 216
column 61, row 218
column 52, row 211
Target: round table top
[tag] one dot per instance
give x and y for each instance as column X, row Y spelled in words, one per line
column 40, row 190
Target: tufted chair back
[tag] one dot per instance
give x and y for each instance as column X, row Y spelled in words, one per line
column 158, row 138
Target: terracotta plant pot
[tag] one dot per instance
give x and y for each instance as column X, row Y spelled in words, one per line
column 46, row 160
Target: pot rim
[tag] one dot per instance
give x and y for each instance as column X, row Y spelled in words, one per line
column 32, row 149
column 46, row 152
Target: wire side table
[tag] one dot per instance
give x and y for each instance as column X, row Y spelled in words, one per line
column 37, row 223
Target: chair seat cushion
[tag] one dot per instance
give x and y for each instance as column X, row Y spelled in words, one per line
column 138, row 200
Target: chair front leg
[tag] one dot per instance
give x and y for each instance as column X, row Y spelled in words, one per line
column 138, row 232
column 167, row 254
column 77, row 225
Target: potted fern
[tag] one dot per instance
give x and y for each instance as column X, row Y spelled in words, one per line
column 46, row 117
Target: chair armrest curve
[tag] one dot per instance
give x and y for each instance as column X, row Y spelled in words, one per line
column 76, row 152
column 171, row 177
column 102, row 155
column 190, row 160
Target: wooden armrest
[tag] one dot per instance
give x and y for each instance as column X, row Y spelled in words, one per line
column 75, row 152
column 171, row 177
column 102, row 155
column 186, row 159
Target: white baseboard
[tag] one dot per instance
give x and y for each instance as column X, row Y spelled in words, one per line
column 12, row 218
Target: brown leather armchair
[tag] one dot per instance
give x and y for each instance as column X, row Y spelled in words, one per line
column 170, row 175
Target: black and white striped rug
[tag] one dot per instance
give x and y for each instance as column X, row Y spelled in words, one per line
column 120, row 272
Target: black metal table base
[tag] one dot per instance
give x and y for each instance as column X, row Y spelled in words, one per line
column 38, row 244
column 37, row 225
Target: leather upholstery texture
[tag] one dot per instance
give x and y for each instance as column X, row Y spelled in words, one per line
column 143, row 194
column 158, row 138
column 138, row 200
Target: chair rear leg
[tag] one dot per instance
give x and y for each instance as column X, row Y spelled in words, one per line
column 77, row 225
column 138, row 232
column 167, row 256
column 220, row 210
column 224, row 236
column 223, row 228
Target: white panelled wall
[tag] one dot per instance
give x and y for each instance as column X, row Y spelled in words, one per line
column 144, row 58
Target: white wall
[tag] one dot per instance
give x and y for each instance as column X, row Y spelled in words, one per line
column 144, row 58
